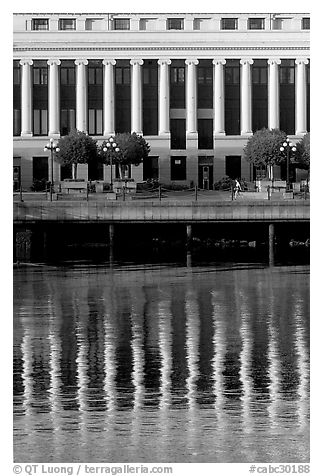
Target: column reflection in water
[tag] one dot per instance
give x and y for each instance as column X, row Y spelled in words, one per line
column 82, row 370
column 165, row 350
column 274, row 365
column 245, row 365
column 137, row 300
column 303, row 366
column 55, row 379
column 192, row 356
column 220, row 349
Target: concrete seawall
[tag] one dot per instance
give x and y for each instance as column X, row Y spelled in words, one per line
column 161, row 212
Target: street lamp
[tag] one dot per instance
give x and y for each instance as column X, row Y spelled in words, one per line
column 52, row 146
column 111, row 144
column 287, row 147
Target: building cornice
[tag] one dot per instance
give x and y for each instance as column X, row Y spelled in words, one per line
column 167, row 48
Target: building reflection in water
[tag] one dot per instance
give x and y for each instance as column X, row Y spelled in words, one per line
column 134, row 365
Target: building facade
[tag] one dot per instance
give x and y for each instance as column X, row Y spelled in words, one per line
column 196, row 86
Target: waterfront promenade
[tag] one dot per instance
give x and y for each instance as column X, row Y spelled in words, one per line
column 174, row 207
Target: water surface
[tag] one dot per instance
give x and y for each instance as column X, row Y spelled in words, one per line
column 161, row 363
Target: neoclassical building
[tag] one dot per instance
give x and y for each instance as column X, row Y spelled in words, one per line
column 196, row 86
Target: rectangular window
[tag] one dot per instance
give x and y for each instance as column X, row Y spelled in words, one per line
column 229, row 23
column 16, row 122
column 204, row 75
column 67, row 121
column 175, row 24
column 67, row 24
column 287, row 72
column 178, row 168
column 259, row 74
column 94, row 24
column 95, row 75
column 121, row 24
column 232, row 74
column 122, row 75
column 205, row 133
column 177, row 75
column 256, row 24
column 150, row 75
column 95, row 122
column 148, row 24
column 40, row 168
column 40, row 75
column 40, row 122
column 67, row 75
column 202, row 24
column 40, row 24
column 305, row 23
column 178, row 134
column 16, row 75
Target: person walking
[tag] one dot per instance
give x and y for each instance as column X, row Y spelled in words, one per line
column 236, row 188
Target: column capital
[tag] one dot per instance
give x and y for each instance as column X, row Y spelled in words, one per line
column 217, row 61
column 136, row 61
column 246, row 61
column 108, row 61
column 192, row 61
column 272, row 61
column 301, row 61
column 81, row 61
column 53, row 61
column 24, row 62
column 162, row 61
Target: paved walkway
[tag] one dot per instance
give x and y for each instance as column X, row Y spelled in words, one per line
column 185, row 195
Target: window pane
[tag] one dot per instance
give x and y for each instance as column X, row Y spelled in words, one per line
column 72, row 118
column 71, row 76
column 16, row 122
column 91, row 74
column 36, row 76
column 67, row 24
column 91, row 121
column 263, row 75
column 145, row 76
column 36, row 121
column 236, row 75
column 99, row 122
column 126, row 75
column 16, row 75
column 122, row 24
column 98, row 75
column 44, row 122
column 181, row 75
column 229, row 23
column 118, row 75
column 63, row 75
column 40, row 24
column 175, row 24
column 43, row 76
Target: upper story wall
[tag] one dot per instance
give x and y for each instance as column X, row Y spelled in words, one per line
column 120, row 35
column 207, row 22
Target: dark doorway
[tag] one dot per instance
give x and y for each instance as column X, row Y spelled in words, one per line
column 205, row 178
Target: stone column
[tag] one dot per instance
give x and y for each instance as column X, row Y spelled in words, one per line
column 273, row 94
column 218, row 98
column 246, row 115
column 163, row 97
column 136, row 96
column 300, row 103
column 81, row 95
column 26, row 98
column 108, row 98
column 53, row 98
column 191, row 99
